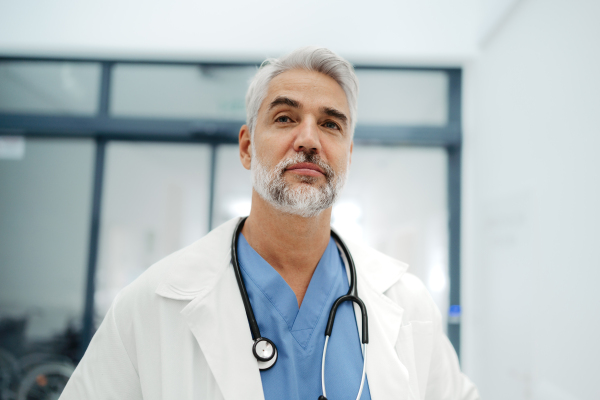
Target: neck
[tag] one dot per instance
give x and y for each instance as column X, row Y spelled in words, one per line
column 291, row 244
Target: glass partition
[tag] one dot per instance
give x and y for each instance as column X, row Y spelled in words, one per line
column 396, row 201
column 47, row 87
column 180, row 91
column 400, row 97
column 387, row 97
column 45, row 202
column 155, row 201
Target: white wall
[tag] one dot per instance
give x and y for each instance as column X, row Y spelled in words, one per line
column 493, row 14
column 382, row 29
column 531, row 205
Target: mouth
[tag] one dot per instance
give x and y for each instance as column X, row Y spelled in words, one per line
column 305, row 168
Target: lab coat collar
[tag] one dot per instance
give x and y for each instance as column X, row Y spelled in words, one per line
column 196, row 269
column 202, row 274
column 380, row 271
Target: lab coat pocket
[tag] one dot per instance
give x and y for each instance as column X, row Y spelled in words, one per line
column 414, row 348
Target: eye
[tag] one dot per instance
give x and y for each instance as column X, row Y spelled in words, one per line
column 331, row 125
column 283, row 119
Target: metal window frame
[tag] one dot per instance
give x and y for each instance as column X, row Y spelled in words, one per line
column 104, row 128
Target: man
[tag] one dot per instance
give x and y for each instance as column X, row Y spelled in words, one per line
column 181, row 331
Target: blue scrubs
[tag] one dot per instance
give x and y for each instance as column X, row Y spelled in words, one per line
column 299, row 334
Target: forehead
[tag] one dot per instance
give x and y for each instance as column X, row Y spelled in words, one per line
column 310, row 88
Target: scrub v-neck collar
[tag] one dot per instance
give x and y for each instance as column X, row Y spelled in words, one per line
column 301, row 321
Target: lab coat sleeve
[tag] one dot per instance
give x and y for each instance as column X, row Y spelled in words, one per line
column 106, row 370
column 446, row 381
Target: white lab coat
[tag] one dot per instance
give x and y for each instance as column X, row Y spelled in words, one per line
column 179, row 332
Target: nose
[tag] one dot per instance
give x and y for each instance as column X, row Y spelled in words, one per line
column 307, row 137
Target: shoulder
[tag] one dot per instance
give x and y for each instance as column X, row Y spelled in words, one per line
column 168, row 285
column 187, row 273
column 138, row 312
column 391, row 278
column 143, row 288
column 413, row 296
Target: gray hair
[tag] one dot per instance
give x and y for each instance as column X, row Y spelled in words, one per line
column 318, row 59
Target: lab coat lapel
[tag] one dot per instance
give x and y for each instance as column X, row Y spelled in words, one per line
column 203, row 275
column 388, row 377
column 219, row 324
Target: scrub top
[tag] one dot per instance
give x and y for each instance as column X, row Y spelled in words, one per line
column 299, row 334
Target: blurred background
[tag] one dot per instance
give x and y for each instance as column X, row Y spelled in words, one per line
column 475, row 161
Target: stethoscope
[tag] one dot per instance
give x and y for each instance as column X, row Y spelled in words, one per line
column 265, row 350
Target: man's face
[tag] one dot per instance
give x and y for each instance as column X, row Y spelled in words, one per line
column 301, row 147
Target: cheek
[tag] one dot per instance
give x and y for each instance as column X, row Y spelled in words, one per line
column 339, row 164
column 339, row 155
column 345, row 164
column 270, row 154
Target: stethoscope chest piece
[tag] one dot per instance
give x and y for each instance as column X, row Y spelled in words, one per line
column 265, row 352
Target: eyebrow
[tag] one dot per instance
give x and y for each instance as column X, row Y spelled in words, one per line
column 332, row 112
column 282, row 100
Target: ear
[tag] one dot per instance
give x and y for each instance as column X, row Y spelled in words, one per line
column 244, row 143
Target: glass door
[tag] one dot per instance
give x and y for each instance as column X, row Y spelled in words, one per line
column 155, row 201
column 45, row 202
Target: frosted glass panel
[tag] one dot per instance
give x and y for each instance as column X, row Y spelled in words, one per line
column 49, row 87
column 155, row 202
column 396, row 97
column 180, row 91
column 45, row 200
column 395, row 200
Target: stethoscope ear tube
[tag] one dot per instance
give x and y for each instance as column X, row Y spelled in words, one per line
column 238, row 275
column 364, row 371
column 363, row 313
column 352, row 296
column 352, row 289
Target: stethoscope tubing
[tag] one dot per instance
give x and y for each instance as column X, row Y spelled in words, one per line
column 351, row 296
column 238, row 276
column 364, row 371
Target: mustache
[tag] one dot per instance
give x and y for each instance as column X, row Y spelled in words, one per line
column 306, row 158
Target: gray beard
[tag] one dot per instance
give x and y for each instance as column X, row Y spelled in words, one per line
column 306, row 199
